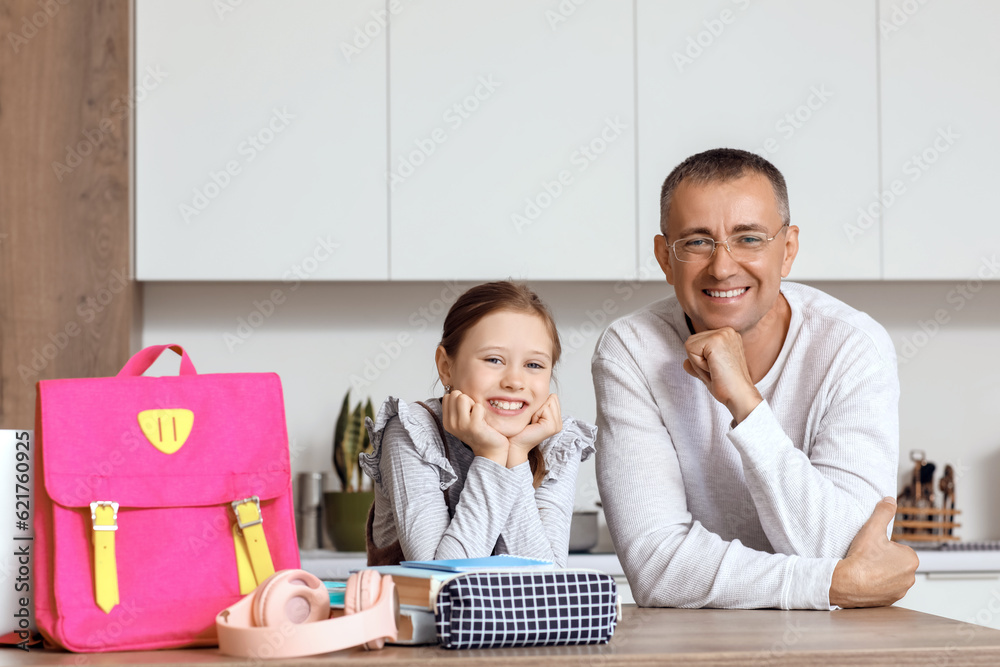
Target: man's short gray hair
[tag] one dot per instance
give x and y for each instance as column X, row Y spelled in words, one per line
column 720, row 165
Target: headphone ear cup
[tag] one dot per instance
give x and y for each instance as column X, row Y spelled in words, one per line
column 351, row 594
column 290, row 595
column 362, row 592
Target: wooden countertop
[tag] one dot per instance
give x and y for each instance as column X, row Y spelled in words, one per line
column 885, row 636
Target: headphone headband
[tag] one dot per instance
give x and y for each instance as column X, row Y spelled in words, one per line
column 272, row 622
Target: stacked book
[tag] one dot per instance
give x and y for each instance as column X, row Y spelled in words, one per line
column 418, row 582
column 17, row 550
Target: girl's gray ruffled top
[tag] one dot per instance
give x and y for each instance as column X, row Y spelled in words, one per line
column 497, row 510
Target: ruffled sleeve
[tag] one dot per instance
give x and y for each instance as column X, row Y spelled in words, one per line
column 422, row 434
column 573, row 444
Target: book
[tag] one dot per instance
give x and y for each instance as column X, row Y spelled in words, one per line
column 17, row 546
column 415, row 625
column 416, row 587
column 500, row 563
column 336, row 591
column 418, row 582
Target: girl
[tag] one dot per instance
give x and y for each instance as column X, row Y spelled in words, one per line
column 491, row 467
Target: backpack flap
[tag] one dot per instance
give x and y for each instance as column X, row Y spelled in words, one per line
column 208, row 439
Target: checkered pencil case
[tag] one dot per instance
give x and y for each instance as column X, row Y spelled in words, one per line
column 529, row 608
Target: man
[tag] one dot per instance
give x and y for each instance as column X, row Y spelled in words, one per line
column 746, row 428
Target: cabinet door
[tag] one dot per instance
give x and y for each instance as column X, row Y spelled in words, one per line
column 970, row 597
column 260, row 140
column 941, row 92
column 512, row 140
column 793, row 81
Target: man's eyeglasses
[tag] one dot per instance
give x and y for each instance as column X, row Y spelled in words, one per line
column 743, row 246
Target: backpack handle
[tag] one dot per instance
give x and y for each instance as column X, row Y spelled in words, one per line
column 143, row 359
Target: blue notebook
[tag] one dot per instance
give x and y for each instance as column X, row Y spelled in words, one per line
column 487, row 564
column 336, row 589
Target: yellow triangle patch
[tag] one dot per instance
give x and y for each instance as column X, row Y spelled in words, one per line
column 167, row 430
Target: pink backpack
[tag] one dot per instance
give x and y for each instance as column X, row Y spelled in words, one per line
column 159, row 501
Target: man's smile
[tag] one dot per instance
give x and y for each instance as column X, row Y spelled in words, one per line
column 725, row 295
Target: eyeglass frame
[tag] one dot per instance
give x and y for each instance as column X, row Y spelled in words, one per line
column 716, row 244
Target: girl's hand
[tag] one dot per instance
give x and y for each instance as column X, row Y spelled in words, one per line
column 465, row 419
column 546, row 422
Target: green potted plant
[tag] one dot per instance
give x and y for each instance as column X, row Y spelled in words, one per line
column 347, row 509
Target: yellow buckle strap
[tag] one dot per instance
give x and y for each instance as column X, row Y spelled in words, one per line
column 250, row 524
column 244, row 570
column 104, row 519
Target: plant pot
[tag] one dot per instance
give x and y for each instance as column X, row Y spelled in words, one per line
column 346, row 516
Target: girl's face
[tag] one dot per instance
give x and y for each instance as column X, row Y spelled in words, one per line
column 504, row 363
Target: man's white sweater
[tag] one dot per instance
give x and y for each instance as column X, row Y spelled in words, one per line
column 705, row 515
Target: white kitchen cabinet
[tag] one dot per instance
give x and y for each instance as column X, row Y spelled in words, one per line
column 793, row 81
column 512, row 140
column 260, row 140
column 971, row 597
column 940, row 95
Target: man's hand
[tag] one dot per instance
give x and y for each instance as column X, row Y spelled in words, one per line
column 876, row 572
column 546, row 422
column 466, row 420
column 716, row 358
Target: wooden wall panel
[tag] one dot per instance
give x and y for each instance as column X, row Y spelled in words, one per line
column 68, row 305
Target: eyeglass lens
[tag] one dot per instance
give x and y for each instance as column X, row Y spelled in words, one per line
column 741, row 246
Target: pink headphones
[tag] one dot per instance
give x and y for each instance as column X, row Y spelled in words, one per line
column 289, row 616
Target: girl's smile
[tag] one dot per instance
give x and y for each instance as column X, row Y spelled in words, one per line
column 506, row 407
